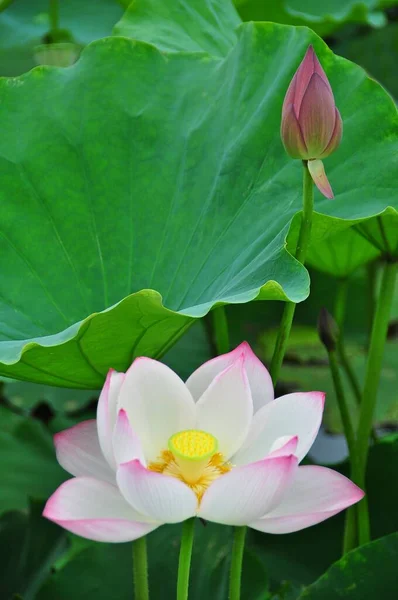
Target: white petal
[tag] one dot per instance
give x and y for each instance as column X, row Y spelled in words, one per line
column 284, row 446
column 226, row 409
column 96, row 510
column 106, row 413
column 158, row 496
column 297, row 414
column 158, row 404
column 78, row 452
column 126, row 445
column 317, row 493
column 260, row 380
column 254, row 489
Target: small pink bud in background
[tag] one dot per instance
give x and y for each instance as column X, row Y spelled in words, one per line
column 311, row 126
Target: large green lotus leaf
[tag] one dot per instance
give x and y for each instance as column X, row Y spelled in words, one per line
column 24, row 23
column 382, row 233
column 340, row 255
column 323, row 17
column 363, row 574
column 150, row 186
column 191, row 25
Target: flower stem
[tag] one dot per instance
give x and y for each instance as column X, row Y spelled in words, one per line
column 301, row 251
column 221, row 335
column 236, row 563
column 369, row 397
column 339, row 315
column 140, row 569
column 342, row 403
column 184, row 563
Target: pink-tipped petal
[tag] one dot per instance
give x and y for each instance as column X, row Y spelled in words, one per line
column 317, row 172
column 106, row 413
column 292, row 136
column 96, row 510
column 337, row 134
column 317, row 493
column 303, row 77
column 254, row 489
column 78, row 452
column 317, row 116
column 226, row 408
column 158, row 496
column 297, row 414
column 284, row 446
column 157, row 403
column 126, row 445
column 260, row 381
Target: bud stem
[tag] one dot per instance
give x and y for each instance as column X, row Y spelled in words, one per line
column 301, row 251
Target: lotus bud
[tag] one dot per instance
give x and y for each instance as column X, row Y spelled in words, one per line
column 311, row 126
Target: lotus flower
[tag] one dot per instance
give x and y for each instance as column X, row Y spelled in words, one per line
column 311, row 126
column 218, row 446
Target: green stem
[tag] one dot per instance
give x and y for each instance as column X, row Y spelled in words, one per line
column 371, row 270
column 369, row 397
column 339, row 314
column 54, row 17
column 140, row 569
column 221, row 335
column 236, row 563
column 301, row 251
column 184, row 563
column 342, row 403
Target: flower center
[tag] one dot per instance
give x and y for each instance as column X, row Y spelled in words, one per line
column 192, row 450
column 193, row 458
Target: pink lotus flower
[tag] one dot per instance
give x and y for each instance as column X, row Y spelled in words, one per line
column 218, row 446
column 311, row 126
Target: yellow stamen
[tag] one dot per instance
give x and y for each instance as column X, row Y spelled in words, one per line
column 193, row 458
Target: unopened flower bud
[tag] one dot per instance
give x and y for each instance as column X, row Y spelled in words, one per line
column 328, row 330
column 311, row 126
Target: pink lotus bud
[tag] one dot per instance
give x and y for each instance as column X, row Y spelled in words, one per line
column 311, row 124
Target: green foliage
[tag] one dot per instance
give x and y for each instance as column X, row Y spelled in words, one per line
column 324, row 17
column 149, row 178
column 303, row 557
column 28, row 467
column 29, row 546
column 306, row 368
column 363, row 574
column 25, row 23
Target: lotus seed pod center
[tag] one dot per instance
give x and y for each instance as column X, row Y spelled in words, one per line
column 192, row 450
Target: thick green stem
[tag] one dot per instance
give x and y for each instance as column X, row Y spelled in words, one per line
column 369, row 397
column 184, row 563
column 301, row 251
column 221, row 335
column 342, row 403
column 140, row 570
column 236, row 563
column 54, row 17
